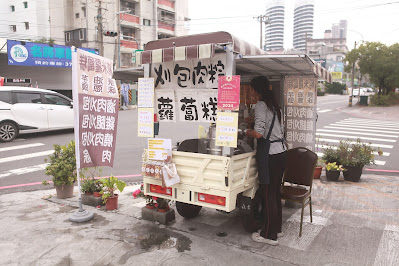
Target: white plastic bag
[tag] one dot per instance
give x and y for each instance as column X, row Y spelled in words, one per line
column 170, row 176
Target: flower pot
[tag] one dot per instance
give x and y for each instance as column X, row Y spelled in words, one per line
column 163, row 210
column 317, row 172
column 332, row 175
column 64, row 191
column 150, row 206
column 353, row 173
column 97, row 194
column 88, row 193
column 112, row 203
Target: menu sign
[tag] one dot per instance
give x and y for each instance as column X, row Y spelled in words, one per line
column 300, row 108
column 96, row 95
column 146, row 122
column 159, row 149
column 146, row 92
column 229, row 93
column 226, row 129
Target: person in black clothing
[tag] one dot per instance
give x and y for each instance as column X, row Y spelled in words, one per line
column 270, row 157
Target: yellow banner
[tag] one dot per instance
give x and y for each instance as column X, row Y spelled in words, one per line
column 336, row 75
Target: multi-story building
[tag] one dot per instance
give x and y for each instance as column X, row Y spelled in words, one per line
column 303, row 23
column 274, row 32
column 339, row 30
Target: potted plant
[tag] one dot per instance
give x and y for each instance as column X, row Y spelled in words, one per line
column 62, row 166
column 139, row 193
column 89, row 184
column 333, row 171
column 354, row 156
column 163, row 204
column 98, row 186
column 331, row 155
column 109, row 186
column 318, row 168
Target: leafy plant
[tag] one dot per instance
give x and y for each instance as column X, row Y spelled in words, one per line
column 87, row 186
column 89, row 183
column 320, row 162
column 335, row 88
column 334, row 167
column 139, row 193
column 384, row 100
column 62, row 165
column 162, row 203
column 331, row 155
column 110, row 185
column 357, row 153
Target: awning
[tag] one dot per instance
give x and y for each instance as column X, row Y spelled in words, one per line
column 280, row 65
column 193, row 47
column 128, row 74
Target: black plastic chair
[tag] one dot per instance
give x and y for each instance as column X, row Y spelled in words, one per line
column 301, row 163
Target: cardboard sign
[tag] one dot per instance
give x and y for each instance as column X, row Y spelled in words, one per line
column 226, row 129
column 229, row 93
column 96, row 117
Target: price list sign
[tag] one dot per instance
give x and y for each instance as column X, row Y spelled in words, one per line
column 146, row 92
column 146, row 122
column 229, row 93
column 226, row 129
column 300, row 109
column 96, row 118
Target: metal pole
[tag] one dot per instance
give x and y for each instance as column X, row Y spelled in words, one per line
column 353, row 82
column 100, row 29
column 261, row 32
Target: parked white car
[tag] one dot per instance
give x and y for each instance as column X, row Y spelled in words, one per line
column 32, row 109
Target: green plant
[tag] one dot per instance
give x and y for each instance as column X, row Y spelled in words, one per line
column 87, row 186
column 335, row 88
column 98, row 186
column 356, row 153
column 384, row 100
column 89, row 183
column 334, row 167
column 330, row 155
column 320, row 162
column 110, row 185
column 62, row 165
column 162, row 203
column 139, row 193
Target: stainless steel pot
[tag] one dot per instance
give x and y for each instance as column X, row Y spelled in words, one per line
column 211, row 143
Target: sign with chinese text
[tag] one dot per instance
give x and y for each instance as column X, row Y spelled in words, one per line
column 40, row 54
column 189, row 74
column 146, row 122
column 300, row 109
column 159, row 149
column 229, row 93
column 166, row 105
column 336, row 75
column 226, row 129
column 97, row 101
column 146, row 92
column 197, row 106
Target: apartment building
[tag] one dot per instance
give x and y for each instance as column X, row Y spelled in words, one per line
column 274, row 32
column 303, row 23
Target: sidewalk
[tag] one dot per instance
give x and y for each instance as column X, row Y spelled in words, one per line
column 389, row 113
column 353, row 224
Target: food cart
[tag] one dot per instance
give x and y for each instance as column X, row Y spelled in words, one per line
column 222, row 177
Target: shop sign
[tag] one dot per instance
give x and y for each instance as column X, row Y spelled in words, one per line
column 189, row 74
column 226, row 129
column 159, row 149
column 336, row 75
column 229, row 93
column 97, row 99
column 300, row 109
column 40, row 54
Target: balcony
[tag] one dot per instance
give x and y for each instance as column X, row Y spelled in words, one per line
column 167, row 3
column 162, row 26
column 129, row 44
column 129, row 20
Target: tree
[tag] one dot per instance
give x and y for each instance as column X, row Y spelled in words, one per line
column 44, row 40
column 335, row 88
column 379, row 61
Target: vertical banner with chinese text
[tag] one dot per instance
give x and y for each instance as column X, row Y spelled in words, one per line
column 300, row 109
column 96, row 97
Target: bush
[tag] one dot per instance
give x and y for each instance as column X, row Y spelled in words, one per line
column 335, row 88
column 320, row 93
column 331, row 155
column 384, row 100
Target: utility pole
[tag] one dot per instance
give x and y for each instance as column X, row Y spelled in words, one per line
column 353, row 82
column 262, row 19
column 100, row 29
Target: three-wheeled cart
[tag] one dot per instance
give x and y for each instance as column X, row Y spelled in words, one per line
column 228, row 178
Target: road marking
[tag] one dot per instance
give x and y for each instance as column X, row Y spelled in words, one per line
column 353, row 142
column 322, row 146
column 362, row 126
column 324, row 111
column 26, row 156
column 21, row 147
column 354, row 137
column 373, row 121
column 388, row 252
column 358, row 133
column 24, row 170
column 362, row 129
column 366, row 123
column 377, row 162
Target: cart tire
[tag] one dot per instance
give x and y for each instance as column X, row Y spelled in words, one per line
column 253, row 220
column 187, row 210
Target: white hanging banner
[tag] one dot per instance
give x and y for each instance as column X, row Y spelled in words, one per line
column 207, row 102
column 188, row 105
column 165, row 105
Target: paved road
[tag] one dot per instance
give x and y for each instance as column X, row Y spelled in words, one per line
column 22, row 161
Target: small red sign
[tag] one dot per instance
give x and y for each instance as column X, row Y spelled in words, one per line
column 229, row 93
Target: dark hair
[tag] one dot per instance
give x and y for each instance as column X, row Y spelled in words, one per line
column 261, row 85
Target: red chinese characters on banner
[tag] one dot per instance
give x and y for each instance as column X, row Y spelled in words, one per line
column 98, row 102
column 229, row 93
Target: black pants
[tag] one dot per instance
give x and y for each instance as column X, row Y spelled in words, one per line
column 272, row 198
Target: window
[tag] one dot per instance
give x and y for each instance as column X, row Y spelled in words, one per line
column 13, row 28
column 125, row 5
column 5, row 96
column 84, row 11
column 26, row 25
column 128, row 33
column 146, row 22
column 12, row 8
column 77, row 15
column 81, row 34
column 67, row 36
column 55, row 99
column 26, row 4
column 26, row 97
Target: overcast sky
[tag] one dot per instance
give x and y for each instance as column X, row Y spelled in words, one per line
column 371, row 20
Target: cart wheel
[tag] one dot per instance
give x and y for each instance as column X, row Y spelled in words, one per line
column 253, row 220
column 187, row 210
